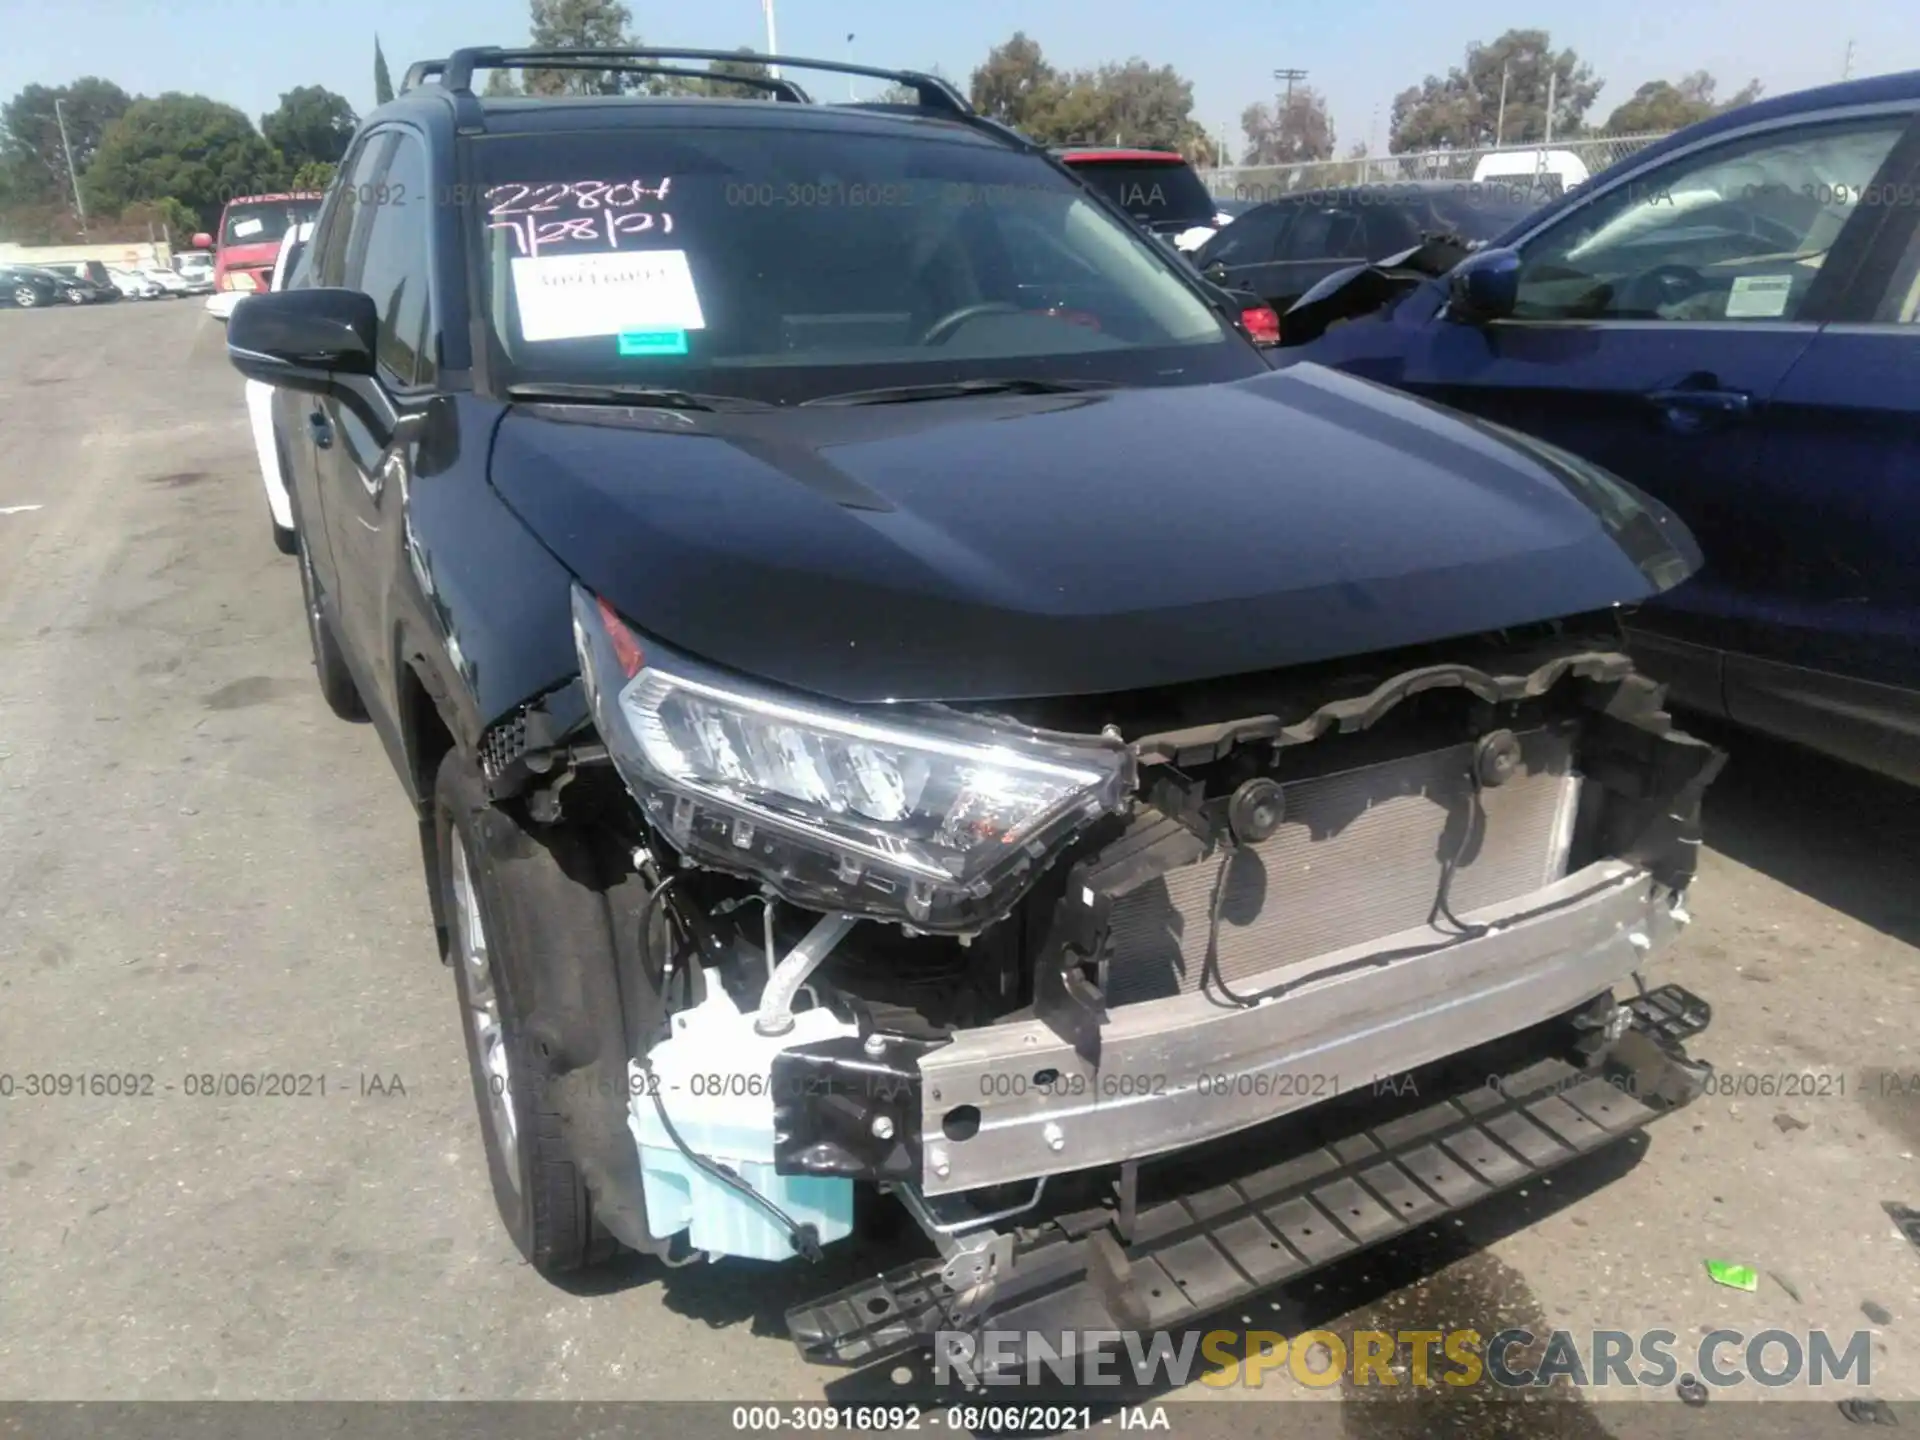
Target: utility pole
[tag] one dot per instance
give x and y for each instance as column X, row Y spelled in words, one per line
column 850, row 94
column 773, row 44
column 1846, row 66
column 73, row 176
column 1500, row 118
column 1552, row 77
column 1289, row 76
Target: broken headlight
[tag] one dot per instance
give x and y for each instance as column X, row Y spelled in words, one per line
column 915, row 813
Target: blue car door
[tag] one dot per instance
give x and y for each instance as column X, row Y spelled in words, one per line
column 1657, row 324
column 1833, row 659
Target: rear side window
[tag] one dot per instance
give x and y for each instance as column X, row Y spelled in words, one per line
column 1250, row 240
column 1326, row 232
column 1154, row 191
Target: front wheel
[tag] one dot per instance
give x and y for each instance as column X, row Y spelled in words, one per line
column 529, row 943
column 26, row 297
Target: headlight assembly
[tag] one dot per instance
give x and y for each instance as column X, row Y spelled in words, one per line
column 915, row 813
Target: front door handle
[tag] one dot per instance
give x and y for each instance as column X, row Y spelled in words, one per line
column 1703, row 402
column 320, row 428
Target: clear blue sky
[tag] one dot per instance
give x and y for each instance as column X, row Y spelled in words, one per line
column 1358, row 52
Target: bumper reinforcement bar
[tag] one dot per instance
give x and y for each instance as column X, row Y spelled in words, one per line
column 1227, row 1234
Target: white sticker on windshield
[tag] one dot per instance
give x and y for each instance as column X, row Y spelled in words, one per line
column 565, row 297
column 244, row 228
column 1759, row 297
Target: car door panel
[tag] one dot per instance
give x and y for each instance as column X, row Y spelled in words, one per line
column 1685, row 412
column 1656, row 333
column 369, row 474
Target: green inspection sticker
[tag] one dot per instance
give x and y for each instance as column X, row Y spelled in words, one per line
column 653, row 342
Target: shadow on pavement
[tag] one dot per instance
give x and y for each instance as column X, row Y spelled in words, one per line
column 1841, row 835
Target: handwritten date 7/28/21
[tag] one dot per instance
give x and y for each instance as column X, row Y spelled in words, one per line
column 589, row 214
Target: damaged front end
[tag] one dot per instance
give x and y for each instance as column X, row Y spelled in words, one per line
column 1025, row 969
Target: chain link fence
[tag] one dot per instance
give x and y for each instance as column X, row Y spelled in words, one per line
column 1267, row 182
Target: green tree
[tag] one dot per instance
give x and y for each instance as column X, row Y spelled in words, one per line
column 579, row 24
column 313, row 175
column 723, row 90
column 1462, row 110
column 196, row 150
column 1294, row 128
column 30, row 148
column 382, row 81
column 1015, row 84
column 500, row 84
column 1661, row 105
column 311, row 125
column 1130, row 102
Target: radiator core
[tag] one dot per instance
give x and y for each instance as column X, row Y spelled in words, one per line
column 1358, row 858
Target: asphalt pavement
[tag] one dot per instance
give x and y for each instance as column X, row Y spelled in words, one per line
column 202, row 874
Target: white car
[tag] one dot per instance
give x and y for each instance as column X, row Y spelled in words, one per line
column 133, row 285
column 260, row 400
column 1554, row 170
column 195, row 267
column 220, row 304
column 171, row 283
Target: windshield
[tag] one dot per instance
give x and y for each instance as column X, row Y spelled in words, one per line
column 1157, row 192
column 1487, row 209
column 793, row 263
column 263, row 222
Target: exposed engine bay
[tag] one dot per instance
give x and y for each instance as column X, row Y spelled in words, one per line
column 1248, row 898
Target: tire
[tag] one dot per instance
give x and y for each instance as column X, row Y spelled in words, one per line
column 531, row 944
column 26, row 297
column 329, row 663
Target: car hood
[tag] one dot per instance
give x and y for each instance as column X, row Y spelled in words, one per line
column 999, row 547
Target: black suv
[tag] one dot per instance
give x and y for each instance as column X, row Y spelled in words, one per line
column 897, row 693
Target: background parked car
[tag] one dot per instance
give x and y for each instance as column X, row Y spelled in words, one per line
column 1281, row 249
column 26, row 288
column 196, row 268
column 1554, row 171
column 1730, row 320
column 170, row 283
column 133, row 285
column 1157, row 187
column 71, row 289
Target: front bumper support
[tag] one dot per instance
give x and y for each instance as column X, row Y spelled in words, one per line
column 1227, row 1225
column 1016, row 1102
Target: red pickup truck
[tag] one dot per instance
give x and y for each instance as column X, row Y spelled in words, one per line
column 251, row 227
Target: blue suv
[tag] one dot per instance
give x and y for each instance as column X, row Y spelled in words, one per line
column 1728, row 321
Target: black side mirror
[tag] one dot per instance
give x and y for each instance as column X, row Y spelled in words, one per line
column 303, row 339
column 1484, row 286
column 321, row 341
column 1215, row 271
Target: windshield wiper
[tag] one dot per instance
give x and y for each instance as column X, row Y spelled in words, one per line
column 647, row 396
column 953, row 389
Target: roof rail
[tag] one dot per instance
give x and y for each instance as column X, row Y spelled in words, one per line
column 420, row 72
column 456, row 73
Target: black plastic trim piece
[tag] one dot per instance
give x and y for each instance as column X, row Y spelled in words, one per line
column 1214, row 1242
column 830, row 1096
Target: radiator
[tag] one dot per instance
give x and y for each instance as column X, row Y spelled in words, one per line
column 1358, row 858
